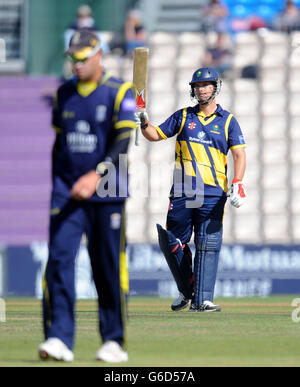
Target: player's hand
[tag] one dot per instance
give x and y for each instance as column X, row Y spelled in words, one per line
column 85, row 186
column 237, row 193
column 142, row 120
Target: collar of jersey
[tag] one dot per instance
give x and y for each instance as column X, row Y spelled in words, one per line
column 86, row 88
column 205, row 120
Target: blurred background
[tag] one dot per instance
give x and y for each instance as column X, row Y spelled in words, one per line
column 254, row 44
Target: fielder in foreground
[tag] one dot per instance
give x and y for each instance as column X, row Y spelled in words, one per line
column 93, row 117
column 205, row 133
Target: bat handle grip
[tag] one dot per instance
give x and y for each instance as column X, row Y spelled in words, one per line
column 137, row 137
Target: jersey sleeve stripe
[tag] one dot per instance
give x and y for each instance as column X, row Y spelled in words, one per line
column 227, row 125
column 120, row 95
column 125, row 124
column 238, row 146
column 56, row 128
column 184, row 114
column 123, row 136
column 161, row 133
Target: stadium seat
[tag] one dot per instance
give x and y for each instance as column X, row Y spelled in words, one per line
column 294, row 151
column 247, row 227
column 294, row 106
column 225, row 100
column 295, row 228
column 250, row 126
column 135, row 204
column 161, row 80
column 190, row 38
column 270, row 52
column 274, row 127
column 247, row 38
column 245, row 55
column 252, row 176
column 112, row 63
column 273, row 103
column 245, row 85
column 275, row 201
column 139, row 173
column 295, row 202
column 252, row 149
column 159, row 60
column 162, row 103
column 151, row 231
column 274, row 151
column 228, row 224
column 245, row 103
column 294, row 182
column 294, row 126
column 275, row 39
column 189, row 58
column 294, row 80
column 276, row 228
column 162, row 38
column 136, row 228
column 158, row 205
column 274, row 176
column 137, row 153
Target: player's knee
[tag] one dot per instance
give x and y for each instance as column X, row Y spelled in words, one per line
column 211, row 239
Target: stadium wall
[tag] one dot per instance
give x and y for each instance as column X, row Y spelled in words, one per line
column 244, row 271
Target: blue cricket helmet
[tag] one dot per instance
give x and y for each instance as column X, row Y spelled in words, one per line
column 206, row 74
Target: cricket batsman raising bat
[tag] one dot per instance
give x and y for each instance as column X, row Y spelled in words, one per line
column 140, row 76
column 205, row 133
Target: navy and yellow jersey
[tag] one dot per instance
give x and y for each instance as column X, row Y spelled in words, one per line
column 202, row 145
column 93, row 122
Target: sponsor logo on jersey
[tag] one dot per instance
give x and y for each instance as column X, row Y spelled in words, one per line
column 82, row 126
column 100, row 113
column 192, row 125
column 201, row 135
column 81, row 141
column 128, row 105
column 241, row 139
column 68, row 114
column 115, row 221
column 215, row 129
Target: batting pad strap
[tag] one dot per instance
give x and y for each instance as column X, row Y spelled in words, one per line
column 176, row 260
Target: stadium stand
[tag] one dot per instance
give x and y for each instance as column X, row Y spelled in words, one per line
column 267, row 107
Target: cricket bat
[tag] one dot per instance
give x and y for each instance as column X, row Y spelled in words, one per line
column 140, row 77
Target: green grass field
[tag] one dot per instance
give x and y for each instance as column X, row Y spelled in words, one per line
column 248, row 332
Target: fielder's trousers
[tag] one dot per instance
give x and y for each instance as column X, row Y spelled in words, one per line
column 103, row 224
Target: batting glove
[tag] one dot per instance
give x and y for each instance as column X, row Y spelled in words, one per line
column 237, row 193
column 141, row 119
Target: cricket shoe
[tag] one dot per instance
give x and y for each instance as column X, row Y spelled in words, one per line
column 55, row 349
column 207, row 306
column 111, row 352
column 180, row 303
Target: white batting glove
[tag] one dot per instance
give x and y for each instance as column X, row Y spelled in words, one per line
column 141, row 119
column 237, row 193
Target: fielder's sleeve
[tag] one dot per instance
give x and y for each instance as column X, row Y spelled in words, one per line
column 235, row 135
column 171, row 126
column 124, row 122
column 56, row 116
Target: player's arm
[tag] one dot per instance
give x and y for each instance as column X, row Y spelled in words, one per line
column 85, row 187
column 149, row 131
column 236, row 143
column 239, row 162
